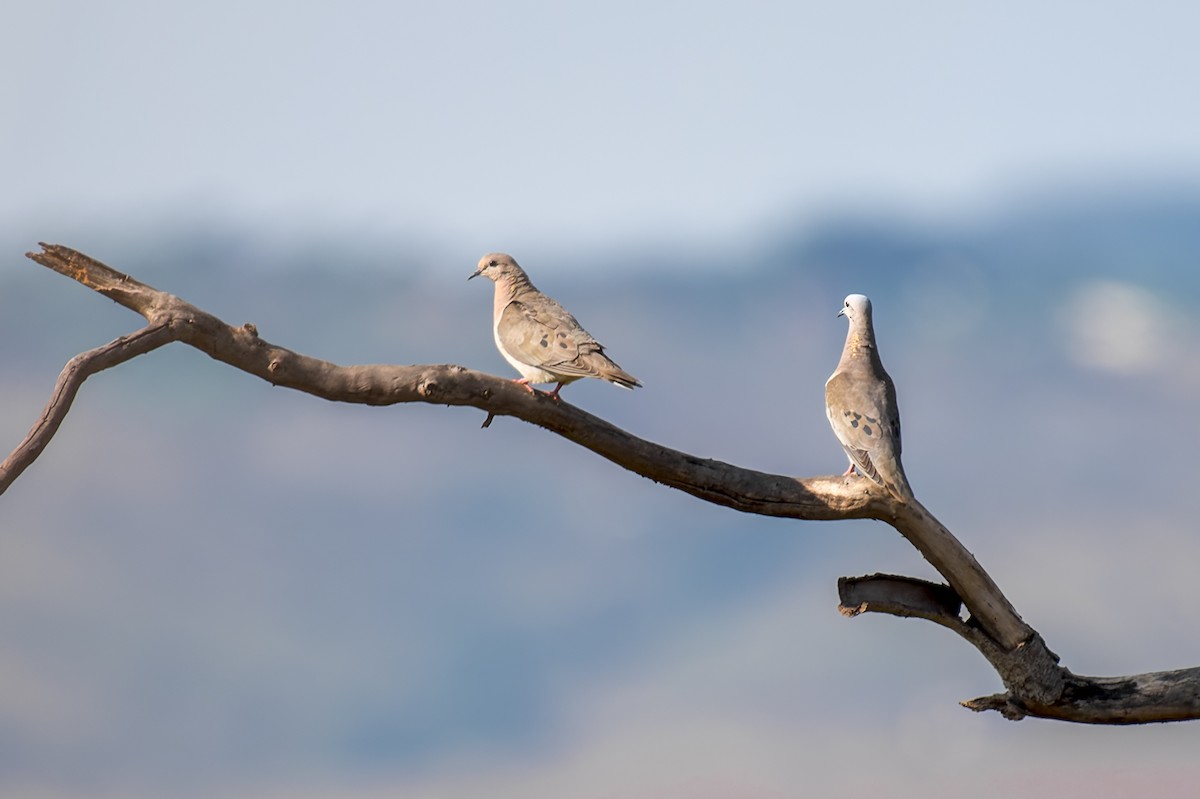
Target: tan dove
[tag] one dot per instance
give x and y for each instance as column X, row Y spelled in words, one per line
column 860, row 400
column 538, row 336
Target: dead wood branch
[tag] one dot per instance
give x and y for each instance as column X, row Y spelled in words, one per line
column 1036, row 685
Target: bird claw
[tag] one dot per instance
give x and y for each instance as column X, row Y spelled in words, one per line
column 524, row 381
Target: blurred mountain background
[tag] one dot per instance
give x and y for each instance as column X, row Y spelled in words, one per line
column 213, row 587
column 210, row 580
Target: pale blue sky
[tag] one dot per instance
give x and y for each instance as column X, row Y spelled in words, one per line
column 493, row 125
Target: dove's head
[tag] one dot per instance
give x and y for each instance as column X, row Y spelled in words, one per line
column 856, row 308
column 496, row 266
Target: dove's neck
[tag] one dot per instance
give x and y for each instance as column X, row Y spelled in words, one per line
column 860, row 346
column 514, row 285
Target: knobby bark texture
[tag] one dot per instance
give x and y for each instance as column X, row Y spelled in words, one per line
column 1034, row 681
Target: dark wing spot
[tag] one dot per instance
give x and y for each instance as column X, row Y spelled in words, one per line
column 872, row 420
column 562, row 346
column 845, row 413
column 858, row 416
column 867, row 429
column 854, row 422
column 544, row 342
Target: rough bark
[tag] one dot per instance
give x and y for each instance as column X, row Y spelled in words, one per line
column 1035, row 683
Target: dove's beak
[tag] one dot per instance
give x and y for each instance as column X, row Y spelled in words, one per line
column 840, row 313
column 473, row 274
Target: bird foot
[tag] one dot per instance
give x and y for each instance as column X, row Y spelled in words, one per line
column 524, row 381
column 849, row 472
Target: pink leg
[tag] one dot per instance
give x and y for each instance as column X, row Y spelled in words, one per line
column 524, row 381
column 849, row 471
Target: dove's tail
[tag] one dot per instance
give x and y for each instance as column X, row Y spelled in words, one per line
column 618, row 376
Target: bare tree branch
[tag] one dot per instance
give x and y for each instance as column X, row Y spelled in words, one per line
column 1138, row 699
column 1036, row 685
column 78, row 369
column 1051, row 691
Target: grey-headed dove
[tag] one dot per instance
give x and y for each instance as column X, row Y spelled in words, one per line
column 860, row 400
column 538, row 336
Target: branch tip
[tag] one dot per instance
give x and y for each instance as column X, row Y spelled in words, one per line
column 850, row 612
column 1001, row 703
